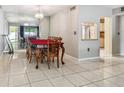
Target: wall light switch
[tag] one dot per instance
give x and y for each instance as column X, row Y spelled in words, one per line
column 75, row 32
column 118, row 33
column 88, row 49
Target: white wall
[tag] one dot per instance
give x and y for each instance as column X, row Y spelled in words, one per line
column 64, row 24
column 91, row 13
column 122, row 35
column 118, row 27
column 3, row 29
column 115, row 36
column 1, row 21
column 44, row 28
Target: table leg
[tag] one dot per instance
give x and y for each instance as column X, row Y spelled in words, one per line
column 63, row 51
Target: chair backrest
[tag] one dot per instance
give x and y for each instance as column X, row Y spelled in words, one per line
column 54, row 43
column 56, row 39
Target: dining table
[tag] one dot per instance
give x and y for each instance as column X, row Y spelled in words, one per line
column 36, row 44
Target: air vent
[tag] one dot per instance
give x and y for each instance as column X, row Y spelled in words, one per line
column 122, row 9
column 72, row 8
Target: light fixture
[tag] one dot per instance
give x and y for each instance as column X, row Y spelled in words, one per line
column 26, row 24
column 39, row 15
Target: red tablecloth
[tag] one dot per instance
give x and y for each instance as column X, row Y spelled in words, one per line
column 39, row 42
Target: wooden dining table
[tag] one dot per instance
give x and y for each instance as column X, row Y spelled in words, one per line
column 33, row 45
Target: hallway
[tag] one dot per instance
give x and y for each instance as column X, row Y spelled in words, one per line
column 16, row 71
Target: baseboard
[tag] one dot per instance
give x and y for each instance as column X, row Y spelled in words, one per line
column 77, row 59
column 83, row 59
column 121, row 54
column 71, row 57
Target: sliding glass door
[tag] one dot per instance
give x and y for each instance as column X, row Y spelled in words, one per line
column 30, row 31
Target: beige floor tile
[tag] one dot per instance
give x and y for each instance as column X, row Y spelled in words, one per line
column 65, row 71
column 102, row 73
column 77, row 80
column 90, row 85
column 61, row 82
column 25, row 85
column 91, row 76
column 117, row 80
column 36, row 76
column 76, row 68
column 4, row 82
column 52, row 73
column 44, row 83
column 105, row 83
column 19, row 79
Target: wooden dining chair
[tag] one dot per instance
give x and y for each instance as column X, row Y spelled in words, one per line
column 55, row 48
column 42, row 52
column 30, row 49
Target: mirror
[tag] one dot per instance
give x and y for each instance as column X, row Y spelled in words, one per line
column 89, row 31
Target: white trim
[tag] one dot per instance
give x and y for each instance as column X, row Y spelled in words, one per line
column 121, row 54
column 71, row 57
column 76, row 59
column 83, row 59
column 116, row 54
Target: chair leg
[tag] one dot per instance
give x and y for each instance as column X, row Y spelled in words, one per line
column 30, row 55
column 58, row 62
column 48, row 61
column 53, row 58
column 37, row 62
column 37, row 57
column 48, row 65
column 27, row 53
column 58, row 58
column 42, row 57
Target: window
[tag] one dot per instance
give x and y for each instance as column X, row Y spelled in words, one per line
column 30, row 31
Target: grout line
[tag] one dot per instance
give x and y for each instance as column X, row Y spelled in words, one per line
column 70, row 81
column 10, row 61
column 51, row 83
column 88, row 84
column 28, row 79
column 103, row 78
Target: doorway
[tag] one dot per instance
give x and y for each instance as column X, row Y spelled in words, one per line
column 102, row 36
column 105, row 37
column 13, row 35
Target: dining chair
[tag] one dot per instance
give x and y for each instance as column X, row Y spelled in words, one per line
column 41, row 52
column 55, row 48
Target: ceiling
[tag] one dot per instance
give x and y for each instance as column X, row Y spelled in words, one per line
column 112, row 6
column 25, row 13
column 33, row 9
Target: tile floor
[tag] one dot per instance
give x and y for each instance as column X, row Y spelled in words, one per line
column 15, row 71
